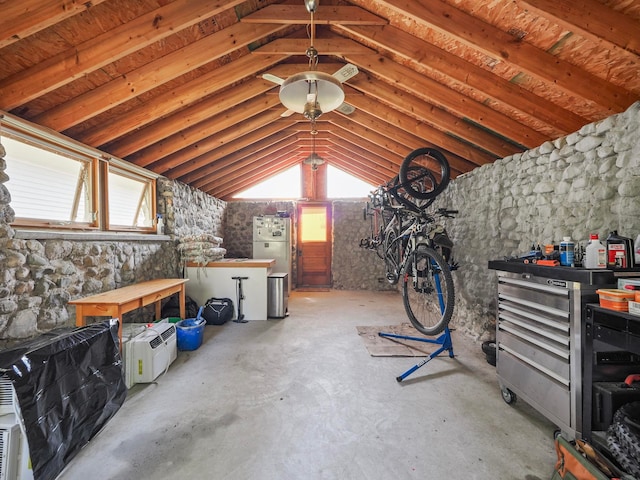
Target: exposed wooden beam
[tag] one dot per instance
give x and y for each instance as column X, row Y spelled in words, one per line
column 370, row 148
column 22, row 18
column 189, row 137
column 441, row 62
column 212, row 105
column 239, row 167
column 372, row 136
column 591, row 19
column 358, row 167
column 403, row 124
column 463, row 27
column 213, row 140
column 354, row 153
column 267, row 146
column 255, row 176
column 106, row 48
column 408, row 103
column 325, row 46
column 176, row 99
column 151, row 75
column 327, row 15
column 207, row 162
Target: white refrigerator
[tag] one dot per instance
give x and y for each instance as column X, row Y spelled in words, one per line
column 272, row 239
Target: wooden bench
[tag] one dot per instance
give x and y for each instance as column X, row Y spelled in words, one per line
column 115, row 303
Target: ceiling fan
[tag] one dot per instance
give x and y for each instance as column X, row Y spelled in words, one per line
column 313, row 93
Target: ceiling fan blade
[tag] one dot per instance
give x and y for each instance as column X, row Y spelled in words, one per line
column 346, row 109
column 287, row 113
column 272, row 78
column 346, row 72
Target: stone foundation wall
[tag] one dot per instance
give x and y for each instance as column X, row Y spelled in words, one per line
column 586, row 182
column 41, row 273
column 354, row 268
column 189, row 212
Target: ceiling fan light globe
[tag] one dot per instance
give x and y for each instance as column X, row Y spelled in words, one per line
column 294, row 90
column 311, row 5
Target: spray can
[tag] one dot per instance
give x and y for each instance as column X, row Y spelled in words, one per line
column 619, row 251
column 567, row 252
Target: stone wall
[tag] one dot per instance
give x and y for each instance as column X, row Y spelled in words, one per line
column 42, row 271
column 354, row 268
column 586, row 182
column 189, row 212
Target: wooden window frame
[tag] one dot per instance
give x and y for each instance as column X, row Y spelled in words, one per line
column 98, row 165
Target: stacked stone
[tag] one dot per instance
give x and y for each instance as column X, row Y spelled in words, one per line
column 353, row 267
column 188, row 211
column 200, row 249
column 586, row 182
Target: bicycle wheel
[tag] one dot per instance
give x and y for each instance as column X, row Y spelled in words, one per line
column 404, row 197
column 419, row 184
column 391, row 256
column 427, row 291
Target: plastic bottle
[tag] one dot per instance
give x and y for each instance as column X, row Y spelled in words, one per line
column 619, row 251
column 160, row 225
column 595, row 253
column 567, row 251
column 637, row 250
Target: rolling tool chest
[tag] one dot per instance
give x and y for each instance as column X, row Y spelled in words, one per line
column 540, row 337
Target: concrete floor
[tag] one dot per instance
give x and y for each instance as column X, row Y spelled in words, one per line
column 301, row 398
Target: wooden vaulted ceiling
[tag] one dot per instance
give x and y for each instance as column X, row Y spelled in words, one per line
column 176, row 86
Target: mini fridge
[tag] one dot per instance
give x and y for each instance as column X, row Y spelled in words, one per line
column 272, row 239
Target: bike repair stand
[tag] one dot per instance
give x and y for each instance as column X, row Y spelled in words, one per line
column 444, row 340
column 240, row 318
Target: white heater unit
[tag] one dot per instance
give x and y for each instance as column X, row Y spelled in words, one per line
column 9, row 447
column 15, row 462
column 7, row 396
column 129, row 332
column 152, row 351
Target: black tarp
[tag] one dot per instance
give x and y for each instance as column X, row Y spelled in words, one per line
column 69, row 383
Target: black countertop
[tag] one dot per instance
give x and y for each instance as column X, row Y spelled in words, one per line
column 572, row 274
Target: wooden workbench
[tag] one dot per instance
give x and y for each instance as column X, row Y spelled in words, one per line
column 115, row 303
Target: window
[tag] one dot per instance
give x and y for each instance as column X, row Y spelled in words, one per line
column 55, row 182
column 49, row 187
column 313, row 224
column 282, row 185
column 130, row 200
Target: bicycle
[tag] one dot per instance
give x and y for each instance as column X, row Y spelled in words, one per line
column 415, row 249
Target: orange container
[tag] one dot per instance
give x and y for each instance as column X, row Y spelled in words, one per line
column 614, row 299
column 637, row 296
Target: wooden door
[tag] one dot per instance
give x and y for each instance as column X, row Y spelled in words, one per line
column 314, row 245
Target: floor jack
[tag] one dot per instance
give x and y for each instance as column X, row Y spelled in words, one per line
column 444, row 340
column 240, row 317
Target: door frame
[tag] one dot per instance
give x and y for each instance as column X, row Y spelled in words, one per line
column 299, row 244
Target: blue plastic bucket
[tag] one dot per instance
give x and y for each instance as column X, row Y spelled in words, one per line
column 190, row 333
